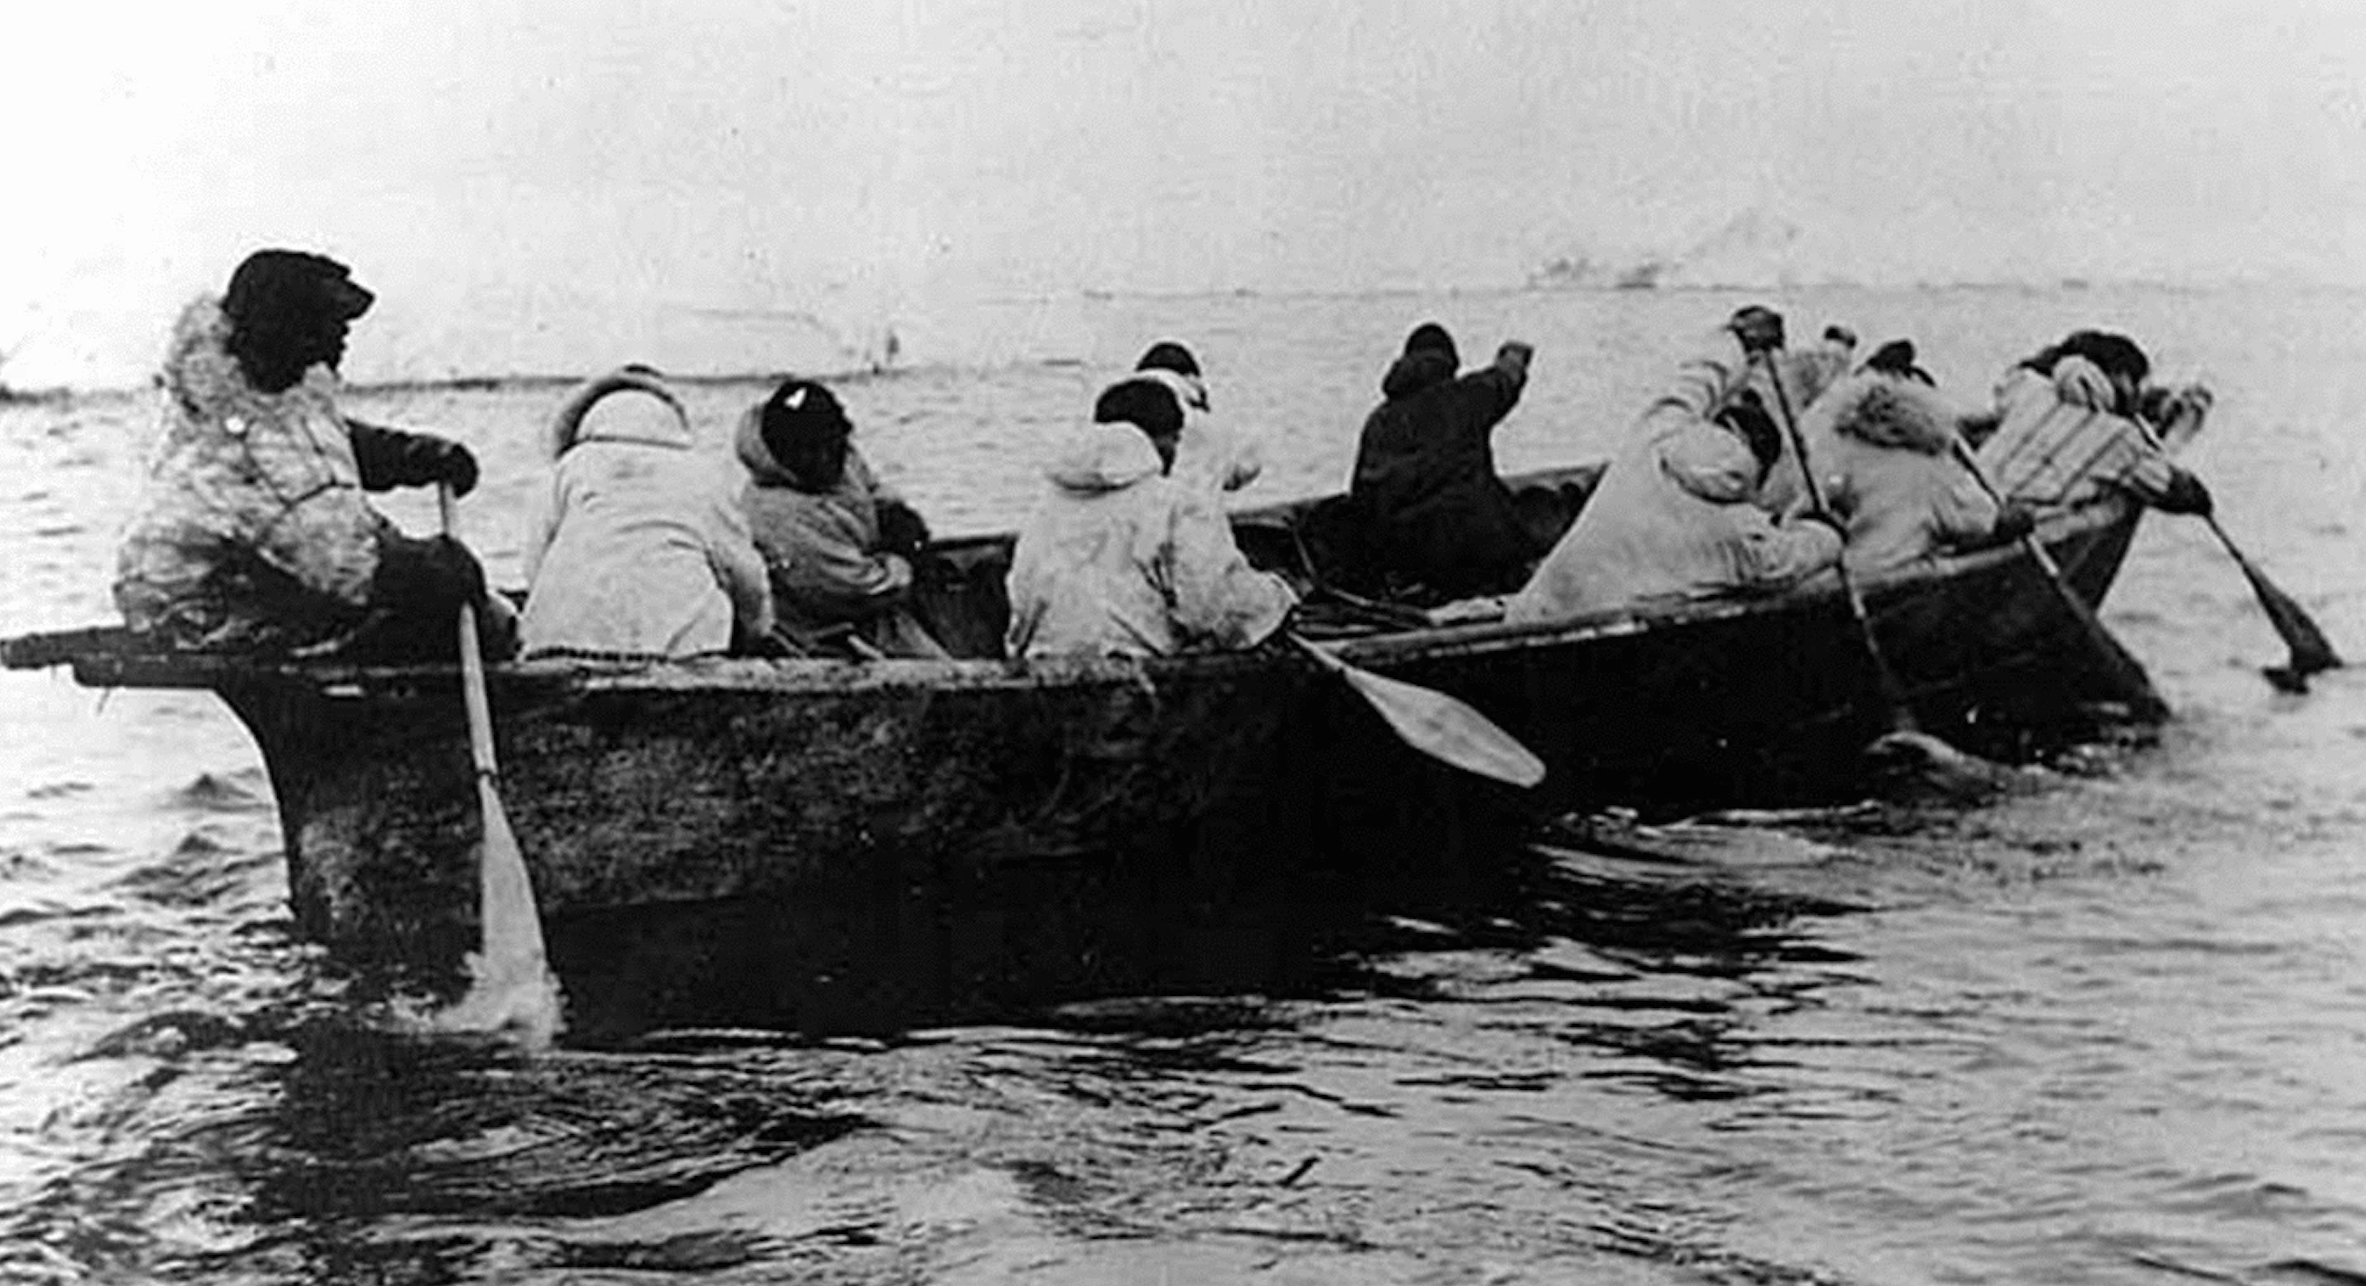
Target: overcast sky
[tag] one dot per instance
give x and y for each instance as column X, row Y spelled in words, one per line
column 536, row 165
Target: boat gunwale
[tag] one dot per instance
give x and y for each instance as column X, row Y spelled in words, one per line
column 831, row 676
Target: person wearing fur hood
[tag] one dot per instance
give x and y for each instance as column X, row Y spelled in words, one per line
column 639, row 549
column 1885, row 447
column 254, row 534
column 1122, row 559
column 1678, row 515
column 838, row 545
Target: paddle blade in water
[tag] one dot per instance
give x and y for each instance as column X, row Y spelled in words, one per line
column 2311, row 651
column 1446, row 729
column 510, row 984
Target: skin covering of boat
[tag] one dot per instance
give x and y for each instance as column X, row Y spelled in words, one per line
column 760, row 781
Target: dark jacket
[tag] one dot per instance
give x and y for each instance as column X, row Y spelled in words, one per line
column 1425, row 479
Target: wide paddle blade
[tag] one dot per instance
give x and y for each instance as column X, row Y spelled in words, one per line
column 1437, row 725
column 510, row 987
column 2311, row 651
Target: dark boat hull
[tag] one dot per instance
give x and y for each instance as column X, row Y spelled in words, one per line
column 767, row 792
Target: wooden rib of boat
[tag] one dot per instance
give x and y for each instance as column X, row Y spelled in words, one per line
column 670, row 785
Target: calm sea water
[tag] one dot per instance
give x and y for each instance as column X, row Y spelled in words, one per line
column 2109, row 1029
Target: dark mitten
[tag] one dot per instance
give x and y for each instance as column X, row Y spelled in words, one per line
column 2012, row 523
column 395, row 458
column 430, row 577
column 2187, row 495
column 901, row 529
column 1758, row 327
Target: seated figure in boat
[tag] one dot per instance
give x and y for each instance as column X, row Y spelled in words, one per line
column 1885, row 445
column 1211, row 453
column 1678, row 515
column 838, row 545
column 2078, row 420
column 639, row 549
column 254, row 533
column 1435, row 513
column 1122, row 559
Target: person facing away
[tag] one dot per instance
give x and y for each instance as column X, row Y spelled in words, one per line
column 2071, row 425
column 638, row 550
column 1677, row 516
column 1885, row 447
column 1122, row 559
column 254, row 533
column 1210, row 453
column 836, row 544
column 1425, row 483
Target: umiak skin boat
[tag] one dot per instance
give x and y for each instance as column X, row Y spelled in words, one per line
column 725, row 781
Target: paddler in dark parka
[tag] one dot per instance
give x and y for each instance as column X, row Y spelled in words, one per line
column 838, row 545
column 1425, row 484
column 254, row 534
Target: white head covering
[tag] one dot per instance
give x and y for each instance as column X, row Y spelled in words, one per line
column 634, row 415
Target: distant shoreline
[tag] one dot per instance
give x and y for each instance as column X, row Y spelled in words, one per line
column 1543, row 285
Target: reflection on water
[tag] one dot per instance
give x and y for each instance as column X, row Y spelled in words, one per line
column 2104, row 1029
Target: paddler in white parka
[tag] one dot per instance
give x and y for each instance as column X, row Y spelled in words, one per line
column 1678, row 516
column 639, row 549
column 1121, row 559
column 1211, row 453
column 254, row 534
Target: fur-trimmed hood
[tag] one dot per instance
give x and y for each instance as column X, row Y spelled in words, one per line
column 747, row 441
column 1885, row 411
column 208, row 383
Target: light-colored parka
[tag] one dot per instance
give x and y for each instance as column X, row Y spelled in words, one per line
column 640, row 548
column 253, row 530
column 1677, row 515
column 1884, row 450
column 1120, row 559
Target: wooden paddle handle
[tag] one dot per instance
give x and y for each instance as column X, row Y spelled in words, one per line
column 472, row 659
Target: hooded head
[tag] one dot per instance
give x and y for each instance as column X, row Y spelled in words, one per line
column 1886, row 411
column 2117, row 356
column 1176, row 361
column 1711, row 463
column 1429, row 360
column 1148, row 405
column 634, row 415
column 1896, row 360
column 1430, row 337
column 797, row 437
column 290, row 310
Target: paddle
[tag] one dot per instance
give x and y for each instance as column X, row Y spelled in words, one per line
column 1905, row 746
column 510, row 981
column 1893, row 693
column 1438, row 725
column 2126, row 671
column 2310, row 650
